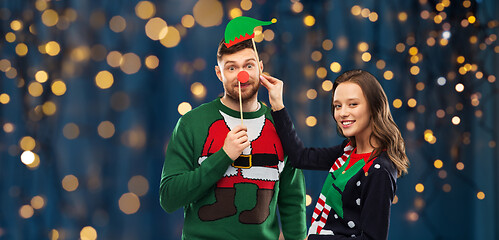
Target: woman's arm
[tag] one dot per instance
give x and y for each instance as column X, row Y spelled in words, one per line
column 298, row 154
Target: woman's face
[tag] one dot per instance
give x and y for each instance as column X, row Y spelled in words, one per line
column 351, row 111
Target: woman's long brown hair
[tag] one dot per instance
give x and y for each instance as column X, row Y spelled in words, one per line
column 384, row 129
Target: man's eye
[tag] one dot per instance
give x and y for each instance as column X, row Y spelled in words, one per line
column 249, row 66
column 231, row 68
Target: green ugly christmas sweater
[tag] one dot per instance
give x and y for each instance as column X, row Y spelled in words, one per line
column 225, row 199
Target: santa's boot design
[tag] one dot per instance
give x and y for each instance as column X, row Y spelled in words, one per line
column 223, row 206
column 261, row 211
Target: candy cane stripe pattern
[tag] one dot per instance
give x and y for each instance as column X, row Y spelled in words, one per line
column 321, row 206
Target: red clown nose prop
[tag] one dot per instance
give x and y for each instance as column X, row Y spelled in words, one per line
column 243, row 76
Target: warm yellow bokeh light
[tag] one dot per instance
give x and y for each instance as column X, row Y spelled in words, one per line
column 246, row 5
column 156, row 28
column 316, row 56
column 188, row 21
column 311, row 94
column 456, row 120
column 49, row 108
column 26, row 211
column 397, row 103
column 327, row 85
column 70, row 183
column 10, row 37
column 460, row 166
column 235, row 12
column 104, row 79
column 4, row 98
column 138, row 185
column 402, row 16
column 335, row 67
column 145, row 10
column 16, row 25
column 412, row 102
column 311, row 121
column 356, row 10
column 297, row 7
column 414, row 70
column 459, row 87
column 35, row 89
column 184, row 107
column 52, row 48
column 117, row 24
column 58, row 87
column 321, row 72
column 198, row 90
column 172, row 38
column 419, row 187
column 88, row 233
column 37, row 202
column 388, row 75
column 106, row 129
column 114, row 58
column 366, row 57
column 27, row 143
column 480, row 195
column 41, row 76
column 129, row 203
column 21, row 49
column 308, row 200
column 130, row 63
column 438, row 164
column 327, row 44
column 50, row 17
column 151, row 62
column 400, row 47
column 71, row 131
column 208, row 13
column 309, row 20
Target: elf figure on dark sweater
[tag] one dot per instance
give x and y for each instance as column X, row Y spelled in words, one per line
column 259, row 164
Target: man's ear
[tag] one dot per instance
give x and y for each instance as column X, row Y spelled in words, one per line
column 218, row 72
column 261, row 65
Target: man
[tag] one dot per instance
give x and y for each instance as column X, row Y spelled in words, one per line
column 229, row 177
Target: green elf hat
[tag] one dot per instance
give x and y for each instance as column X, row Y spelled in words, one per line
column 241, row 28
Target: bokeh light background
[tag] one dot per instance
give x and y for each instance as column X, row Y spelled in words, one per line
column 90, row 92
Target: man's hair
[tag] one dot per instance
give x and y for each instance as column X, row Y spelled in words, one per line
column 223, row 50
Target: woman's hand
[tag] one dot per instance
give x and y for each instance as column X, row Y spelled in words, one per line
column 274, row 86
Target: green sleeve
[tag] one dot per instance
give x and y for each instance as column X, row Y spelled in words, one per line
column 183, row 180
column 291, row 202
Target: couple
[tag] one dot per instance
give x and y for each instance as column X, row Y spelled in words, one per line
column 232, row 178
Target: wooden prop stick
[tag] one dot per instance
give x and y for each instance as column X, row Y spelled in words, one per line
column 240, row 102
column 257, row 59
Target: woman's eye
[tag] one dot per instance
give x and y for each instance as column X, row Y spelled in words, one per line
column 337, row 106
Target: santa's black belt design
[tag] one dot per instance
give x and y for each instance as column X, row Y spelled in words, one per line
column 257, row 160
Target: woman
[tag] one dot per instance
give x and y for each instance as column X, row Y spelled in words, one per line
column 356, row 197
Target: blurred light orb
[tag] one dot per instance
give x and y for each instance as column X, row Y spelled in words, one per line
column 145, row 10
column 321, row 72
column 71, row 131
column 438, row 164
column 131, row 63
column 52, row 48
column 58, row 88
column 311, row 94
column 106, row 129
column 327, row 85
column 26, row 211
column 117, row 24
column 114, row 59
column 10, row 37
column 16, row 25
column 129, row 203
column 35, row 89
column 49, row 108
column 151, row 62
column 37, row 202
column 188, row 21
column 70, row 183
column 366, row 57
column 246, row 5
column 104, row 79
column 446, row 35
column 297, row 7
column 50, row 17
column 327, row 44
column 419, row 187
column 4, row 98
column 88, row 233
column 138, row 185
column 156, row 28
column 456, row 120
column 459, row 87
column 311, row 121
column 21, row 49
column 480, row 195
column 335, row 67
column 441, row 81
column 184, row 107
column 235, row 12
column 309, row 20
column 198, row 90
column 172, row 38
column 388, row 75
column 27, row 157
column 41, row 76
column 397, row 103
column 208, row 13
column 308, row 200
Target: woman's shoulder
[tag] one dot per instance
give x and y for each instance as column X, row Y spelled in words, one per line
column 383, row 162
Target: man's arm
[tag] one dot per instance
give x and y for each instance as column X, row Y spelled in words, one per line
column 291, row 203
column 182, row 181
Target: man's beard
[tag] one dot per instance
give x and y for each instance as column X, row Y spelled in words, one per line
column 234, row 95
